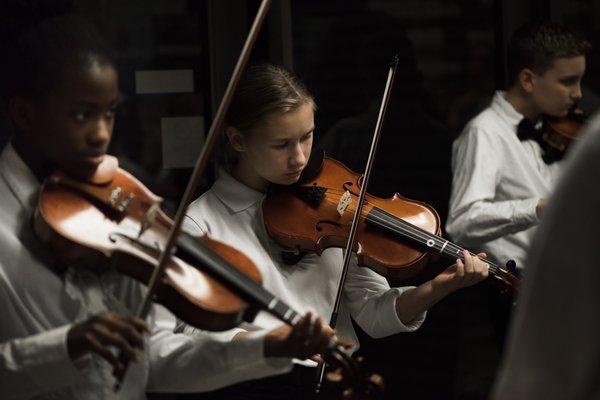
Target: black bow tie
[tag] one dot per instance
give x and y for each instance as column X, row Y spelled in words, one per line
column 526, row 130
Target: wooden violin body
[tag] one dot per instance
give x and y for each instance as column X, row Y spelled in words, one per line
column 560, row 132
column 395, row 236
column 116, row 222
column 315, row 226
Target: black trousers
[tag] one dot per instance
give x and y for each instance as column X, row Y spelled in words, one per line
column 299, row 384
column 501, row 308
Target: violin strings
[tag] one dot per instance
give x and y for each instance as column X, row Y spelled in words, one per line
column 406, row 229
column 401, row 226
column 422, row 234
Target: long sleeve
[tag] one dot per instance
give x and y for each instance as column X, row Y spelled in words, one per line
column 477, row 214
column 199, row 362
column 372, row 303
column 36, row 364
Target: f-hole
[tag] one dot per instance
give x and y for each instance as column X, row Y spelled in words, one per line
column 347, row 185
column 319, row 225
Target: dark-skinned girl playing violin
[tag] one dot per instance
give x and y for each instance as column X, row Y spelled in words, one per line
column 62, row 327
column 269, row 132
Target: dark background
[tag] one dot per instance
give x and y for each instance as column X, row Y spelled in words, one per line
column 451, row 61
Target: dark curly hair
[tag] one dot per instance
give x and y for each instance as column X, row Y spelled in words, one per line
column 536, row 45
column 39, row 39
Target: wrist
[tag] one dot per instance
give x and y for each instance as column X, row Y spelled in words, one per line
column 272, row 346
column 538, row 211
column 75, row 346
column 441, row 286
column 540, row 206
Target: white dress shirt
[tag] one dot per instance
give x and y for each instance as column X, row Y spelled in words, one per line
column 38, row 306
column 553, row 349
column 231, row 212
column 497, row 182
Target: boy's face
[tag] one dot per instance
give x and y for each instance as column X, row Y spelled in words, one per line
column 71, row 127
column 555, row 91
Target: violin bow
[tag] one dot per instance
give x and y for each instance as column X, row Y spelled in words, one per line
column 202, row 161
column 361, row 198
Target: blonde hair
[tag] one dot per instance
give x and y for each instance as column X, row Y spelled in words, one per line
column 263, row 89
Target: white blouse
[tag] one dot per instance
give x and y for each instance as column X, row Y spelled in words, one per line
column 38, row 307
column 497, row 182
column 231, row 212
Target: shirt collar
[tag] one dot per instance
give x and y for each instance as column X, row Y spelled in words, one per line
column 506, row 111
column 18, row 176
column 234, row 194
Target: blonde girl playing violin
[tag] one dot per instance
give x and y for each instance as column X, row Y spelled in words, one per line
column 269, row 136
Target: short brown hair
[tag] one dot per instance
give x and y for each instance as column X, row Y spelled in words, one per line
column 536, row 45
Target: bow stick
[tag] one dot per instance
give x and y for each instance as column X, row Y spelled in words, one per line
column 202, row 162
column 363, row 190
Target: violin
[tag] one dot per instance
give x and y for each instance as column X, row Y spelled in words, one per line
column 560, row 132
column 395, row 236
column 113, row 217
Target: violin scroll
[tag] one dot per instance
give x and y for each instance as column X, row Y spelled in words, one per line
column 348, row 376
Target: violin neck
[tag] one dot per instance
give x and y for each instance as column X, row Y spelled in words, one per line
column 407, row 231
column 194, row 251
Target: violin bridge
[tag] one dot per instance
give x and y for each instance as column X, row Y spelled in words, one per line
column 343, row 203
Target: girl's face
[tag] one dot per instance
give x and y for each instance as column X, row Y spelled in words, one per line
column 71, row 127
column 277, row 148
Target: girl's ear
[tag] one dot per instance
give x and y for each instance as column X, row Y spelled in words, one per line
column 236, row 139
column 21, row 112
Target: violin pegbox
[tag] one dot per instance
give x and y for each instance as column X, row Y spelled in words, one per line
column 359, row 385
